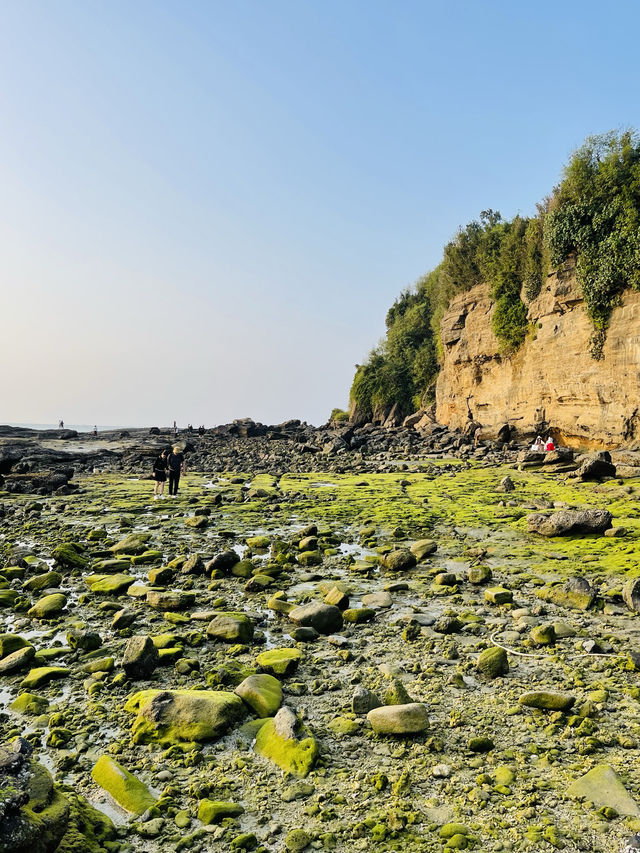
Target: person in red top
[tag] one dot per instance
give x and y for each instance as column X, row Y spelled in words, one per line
column 549, row 445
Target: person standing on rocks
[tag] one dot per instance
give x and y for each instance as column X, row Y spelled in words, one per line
column 160, row 474
column 177, row 466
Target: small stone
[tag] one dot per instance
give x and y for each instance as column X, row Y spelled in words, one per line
column 399, row 719
column 493, row 662
column 498, row 595
column 547, row 700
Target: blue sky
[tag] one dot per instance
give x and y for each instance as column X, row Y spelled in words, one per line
column 207, row 208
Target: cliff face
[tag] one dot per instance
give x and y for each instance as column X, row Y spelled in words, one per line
column 551, row 382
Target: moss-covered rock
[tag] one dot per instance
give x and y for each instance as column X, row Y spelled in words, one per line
column 400, row 560
column 49, row 607
column 183, row 716
column 71, row 556
column 493, row 662
column 603, row 787
column 134, row 543
column 42, row 675
column 231, row 628
column 262, row 693
column 498, row 595
column 280, row 661
column 11, row 643
column 214, row 811
column 47, row 580
column 547, row 700
column 17, row 660
column 278, row 741
column 29, row 704
column 125, row 788
column 109, row 584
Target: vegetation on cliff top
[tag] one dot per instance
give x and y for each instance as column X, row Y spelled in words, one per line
column 593, row 213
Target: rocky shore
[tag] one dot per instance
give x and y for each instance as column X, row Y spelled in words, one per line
column 333, row 639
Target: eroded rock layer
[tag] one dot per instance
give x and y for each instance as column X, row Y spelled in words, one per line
column 552, row 382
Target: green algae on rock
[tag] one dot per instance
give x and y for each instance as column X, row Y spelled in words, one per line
column 493, row 662
column 29, row 704
column 109, row 584
column 547, row 700
column 11, row 643
column 278, row 741
column 214, row 811
column 134, row 543
column 125, row 788
column 280, row 661
column 48, row 607
column 183, row 716
column 603, row 787
column 231, row 628
column 71, row 556
column 262, row 693
column 42, row 675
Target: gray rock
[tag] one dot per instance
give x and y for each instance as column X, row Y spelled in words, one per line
column 399, row 719
column 363, row 701
column 569, row 522
column 140, row 657
column 325, row 618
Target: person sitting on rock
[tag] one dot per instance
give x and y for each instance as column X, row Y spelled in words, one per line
column 549, row 446
column 160, row 475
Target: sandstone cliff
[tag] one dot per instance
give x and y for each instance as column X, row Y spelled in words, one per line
column 551, row 383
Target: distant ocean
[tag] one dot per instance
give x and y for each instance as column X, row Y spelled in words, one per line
column 77, row 427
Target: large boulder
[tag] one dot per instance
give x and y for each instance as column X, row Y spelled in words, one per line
column 325, row 618
column 36, row 817
column 631, row 594
column 597, row 467
column 183, row 716
column 577, row 593
column 570, row 522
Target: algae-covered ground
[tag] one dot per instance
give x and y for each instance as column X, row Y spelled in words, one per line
column 488, row 774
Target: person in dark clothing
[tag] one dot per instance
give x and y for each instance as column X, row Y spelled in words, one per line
column 177, row 466
column 160, row 474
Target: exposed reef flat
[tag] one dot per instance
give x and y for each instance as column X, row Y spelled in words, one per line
column 458, row 682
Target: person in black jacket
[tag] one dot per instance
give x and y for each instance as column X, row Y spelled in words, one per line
column 177, row 466
column 160, row 466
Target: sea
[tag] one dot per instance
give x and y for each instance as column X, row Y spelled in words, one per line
column 77, row 427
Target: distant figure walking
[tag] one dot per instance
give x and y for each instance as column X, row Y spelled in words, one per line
column 175, row 430
column 549, row 446
column 160, row 466
column 176, row 467
column 60, row 424
column 201, row 430
column 95, row 430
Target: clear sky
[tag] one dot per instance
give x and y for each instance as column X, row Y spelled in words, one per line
column 206, row 208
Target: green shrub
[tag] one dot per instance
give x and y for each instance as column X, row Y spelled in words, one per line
column 595, row 213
